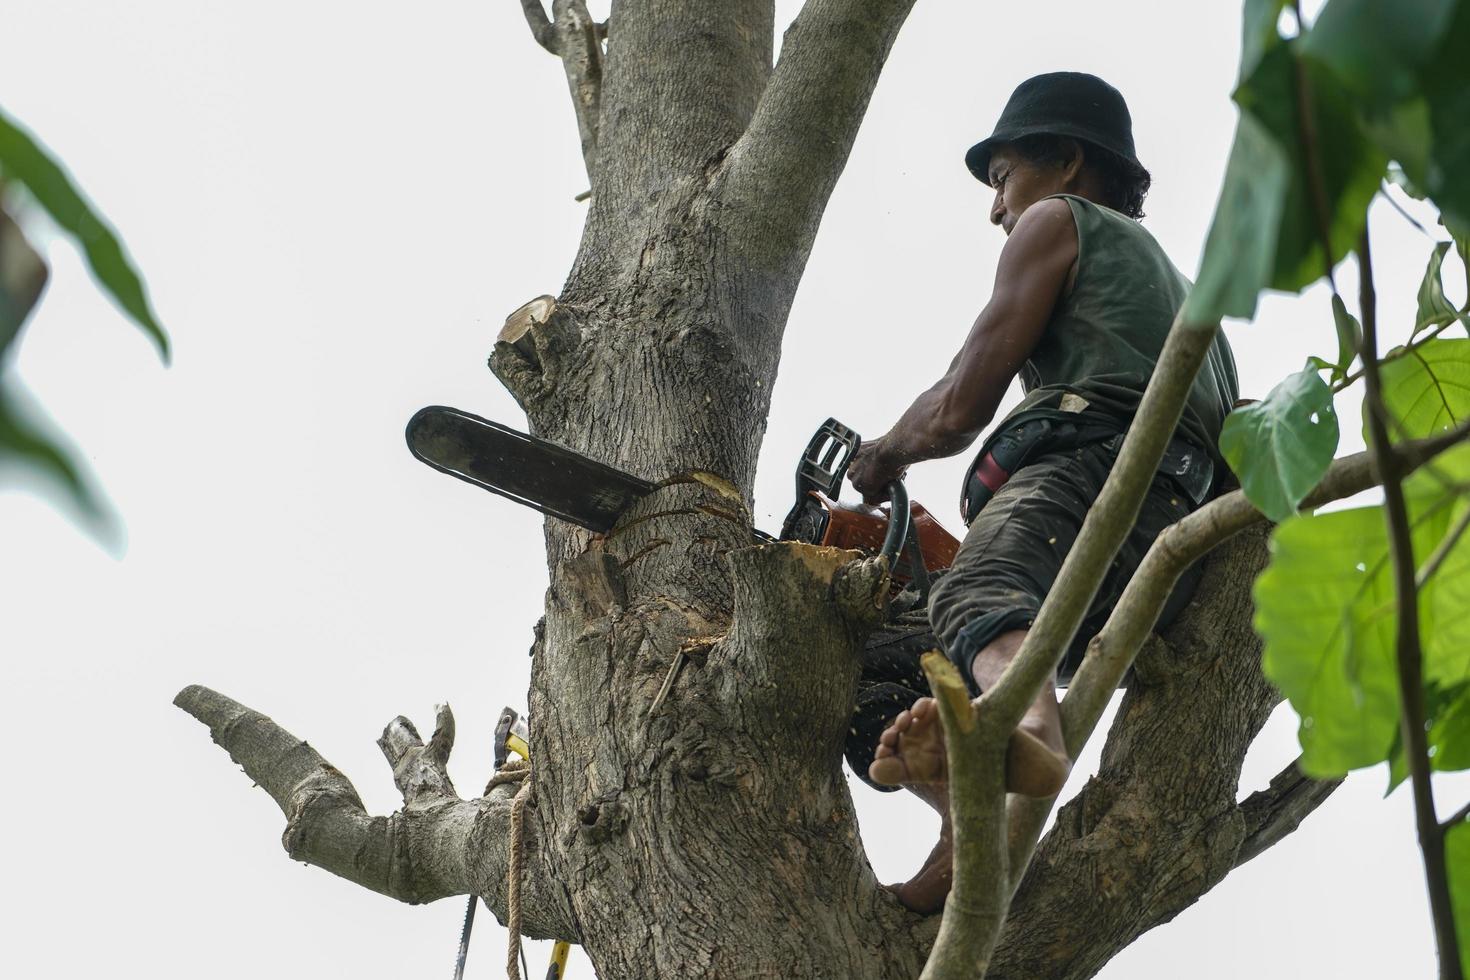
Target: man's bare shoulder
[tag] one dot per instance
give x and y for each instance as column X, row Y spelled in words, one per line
column 1045, row 229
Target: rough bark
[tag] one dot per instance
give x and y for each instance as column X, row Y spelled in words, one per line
column 715, row 836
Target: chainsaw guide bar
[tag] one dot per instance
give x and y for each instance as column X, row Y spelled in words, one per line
column 539, row 474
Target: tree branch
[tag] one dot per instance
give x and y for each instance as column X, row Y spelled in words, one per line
column 580, row 48
column 783, row 169
column 977, row 901
column 436, row 846
column 1274, row 813
column 541, row 27
column 1408, row 652
column 1108, row 522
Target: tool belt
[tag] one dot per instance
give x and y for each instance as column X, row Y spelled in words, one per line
column 1189, row 466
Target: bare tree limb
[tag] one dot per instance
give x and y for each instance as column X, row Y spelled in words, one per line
column 541, row 27
column 977, row 901
column 1274, row 813
column 784, row 167
column 580, row 48
column 436, row 846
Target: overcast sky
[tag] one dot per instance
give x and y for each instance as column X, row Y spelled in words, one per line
column 335, row 206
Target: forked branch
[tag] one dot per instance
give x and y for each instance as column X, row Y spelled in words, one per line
column 572, row 35
column 435, row 846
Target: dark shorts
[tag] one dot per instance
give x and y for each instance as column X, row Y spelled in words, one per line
column 1004, row 569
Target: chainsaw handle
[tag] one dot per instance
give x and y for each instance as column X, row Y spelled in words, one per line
column 899, row 520
column 901, row 534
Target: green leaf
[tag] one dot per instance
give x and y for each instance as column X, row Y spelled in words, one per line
column 23, row 161
column 1434, row 309
column 1281, row 446
column 1260, row 33
column 1457, row 866
column 1405, row 68
column 32, row 457
column 1426, row 388
column 1349, row 338
column 1351, row 167
column 1326, row 608
column 1240, row 248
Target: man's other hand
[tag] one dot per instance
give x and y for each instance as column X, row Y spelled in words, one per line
column 872, row 470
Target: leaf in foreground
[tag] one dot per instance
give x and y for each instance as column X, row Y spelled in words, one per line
column 1426, row 389
column 1281, row 446
column 1326, row 609
column 24, row 161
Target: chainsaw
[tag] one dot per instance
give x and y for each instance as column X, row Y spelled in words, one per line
column 572, row 487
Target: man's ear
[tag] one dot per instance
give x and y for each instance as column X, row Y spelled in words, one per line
column 1072, row 167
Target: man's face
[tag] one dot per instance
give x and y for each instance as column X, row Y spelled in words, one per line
column 1019, row 183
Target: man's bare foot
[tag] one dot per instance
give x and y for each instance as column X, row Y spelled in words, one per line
column 926, row 891
column 911, row 750
column 911, row 753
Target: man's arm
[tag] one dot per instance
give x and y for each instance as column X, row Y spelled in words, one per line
column 1029, row 279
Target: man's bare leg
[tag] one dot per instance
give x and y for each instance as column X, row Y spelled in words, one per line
column 911, row 754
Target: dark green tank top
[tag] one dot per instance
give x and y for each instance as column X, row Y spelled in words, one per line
column 1104, row 337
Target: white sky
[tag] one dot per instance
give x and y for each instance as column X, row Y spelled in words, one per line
column 335, row 205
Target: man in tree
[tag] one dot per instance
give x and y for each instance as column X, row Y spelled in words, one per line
column 1083, row 300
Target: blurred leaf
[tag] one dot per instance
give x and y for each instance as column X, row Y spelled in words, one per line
column 1241, row 245
column 1281, row 446
column 23, row 161
column 1457, row 865
column 22, row 278
column 1351, row 167
column 1426, row 388
column 1405, row 66
column 1434, row 309
column 1349, row 338
column 1265, row 232
column 1449, row 732
column 1325, row 607
column 31, row 456
column 1260, row 33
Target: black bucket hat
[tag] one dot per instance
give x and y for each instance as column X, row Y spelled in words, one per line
column 1060, row 103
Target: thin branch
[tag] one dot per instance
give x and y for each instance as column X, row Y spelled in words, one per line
column 580, row 47
column 978, row 899
column 1442, row 551
column 1408, row 652
column 1274, row 813
column 1108, row 523
column 1396, row 353
column 541, row 26
column 1400, row 209
column 1461, row 814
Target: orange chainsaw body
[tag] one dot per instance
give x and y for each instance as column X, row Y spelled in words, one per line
column 861, row 527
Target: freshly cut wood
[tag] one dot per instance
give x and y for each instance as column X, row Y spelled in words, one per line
column 538, row 310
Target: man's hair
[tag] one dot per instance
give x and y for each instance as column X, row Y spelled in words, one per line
column 1124, row 183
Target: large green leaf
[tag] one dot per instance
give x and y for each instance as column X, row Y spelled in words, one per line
column 1241, row 246
column 1405, row 66
column 1434, row 309
column 1326, row 608
column 1266, row 232
column 1351, row 168
column 1281, row 446
column 1457, row 864
column 1426, row 388
column 22, row 160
